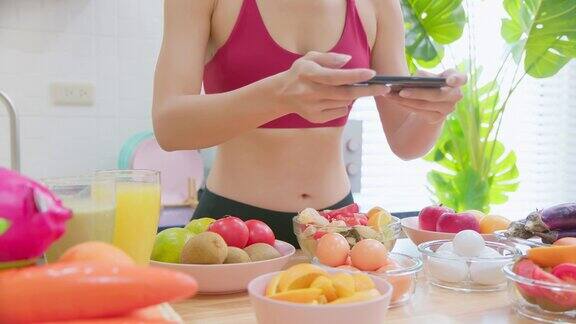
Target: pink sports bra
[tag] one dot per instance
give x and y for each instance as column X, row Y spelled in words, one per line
column 251, row 54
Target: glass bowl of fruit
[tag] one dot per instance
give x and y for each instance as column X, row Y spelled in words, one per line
column 400, row 270
column 378, row 224
column 467, row 263
column 542, row 294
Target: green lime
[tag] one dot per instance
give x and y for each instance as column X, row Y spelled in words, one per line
column 200, row 225
column 169, row 244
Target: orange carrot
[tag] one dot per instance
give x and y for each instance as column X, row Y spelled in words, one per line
column 83, row 290
column 550, row 256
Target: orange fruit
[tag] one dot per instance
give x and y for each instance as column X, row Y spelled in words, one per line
column 491, row 223
column 98, row 252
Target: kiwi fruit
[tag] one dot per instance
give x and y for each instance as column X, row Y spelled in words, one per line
column 261, row 252
column 204, row 248
column 236, row 255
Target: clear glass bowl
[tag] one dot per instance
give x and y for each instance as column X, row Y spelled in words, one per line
column 467, row 274
column 541, row 300
column 403, row 279
column 307, row 234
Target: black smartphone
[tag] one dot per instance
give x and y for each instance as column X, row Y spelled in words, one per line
column 398, row 83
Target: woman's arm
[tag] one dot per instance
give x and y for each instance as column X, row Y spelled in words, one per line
column 412, row 120
column 315, row 87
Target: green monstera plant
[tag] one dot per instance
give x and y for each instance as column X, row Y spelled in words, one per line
column 474, row 169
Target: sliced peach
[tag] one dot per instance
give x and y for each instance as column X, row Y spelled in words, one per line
column 362, row 282
column 272, row 287
column 299, row 276
column 358, row 297
column 302, row 296
column 325, row 283
column 344, row 284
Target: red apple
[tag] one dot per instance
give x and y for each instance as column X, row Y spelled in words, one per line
column 259, row 232
column 454, row 223
column 233, row 231
column 428, row 216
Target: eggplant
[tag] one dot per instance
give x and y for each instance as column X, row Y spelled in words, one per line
column 553, row 236
column 555, row 218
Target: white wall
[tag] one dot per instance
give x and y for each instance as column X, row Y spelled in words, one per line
column 112, row 44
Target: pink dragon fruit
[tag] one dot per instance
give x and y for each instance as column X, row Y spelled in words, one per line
column 31, row 217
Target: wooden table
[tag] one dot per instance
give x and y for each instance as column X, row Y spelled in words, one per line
column 429, row 305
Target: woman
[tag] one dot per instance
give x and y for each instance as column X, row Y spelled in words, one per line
column 278, row 77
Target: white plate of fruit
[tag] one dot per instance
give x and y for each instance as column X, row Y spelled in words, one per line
column 223, row 255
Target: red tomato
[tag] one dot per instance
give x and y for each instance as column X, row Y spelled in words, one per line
column 561, row 300
column 566, row 272
column 259, row 232
column 525, row 268
column 232, row 229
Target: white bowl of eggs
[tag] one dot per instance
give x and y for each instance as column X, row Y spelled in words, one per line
column 467, row 263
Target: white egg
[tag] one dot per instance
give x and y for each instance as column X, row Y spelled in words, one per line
column 448, row 246
column 487, row 273
column 449, row 270
column 488, row 252
column 468, row 243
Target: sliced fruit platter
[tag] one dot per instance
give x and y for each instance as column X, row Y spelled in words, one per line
column 222, row 255
column 377, row 224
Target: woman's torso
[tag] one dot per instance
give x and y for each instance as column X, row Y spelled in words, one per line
column 292, row 168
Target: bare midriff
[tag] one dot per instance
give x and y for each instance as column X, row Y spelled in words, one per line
column 282, row 169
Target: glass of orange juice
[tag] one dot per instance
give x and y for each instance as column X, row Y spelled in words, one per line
column 93, row 204
column 137, row 211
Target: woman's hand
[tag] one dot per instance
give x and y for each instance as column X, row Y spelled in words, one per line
column 316, row 87
column 432, row 105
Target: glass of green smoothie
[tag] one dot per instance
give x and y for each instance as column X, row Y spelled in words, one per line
column 93, row 204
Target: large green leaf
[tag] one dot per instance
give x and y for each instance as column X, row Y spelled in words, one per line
column 544, row 31
column 476, row 171
column 429, row 25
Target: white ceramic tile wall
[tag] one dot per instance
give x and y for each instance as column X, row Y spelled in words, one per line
column 110, row 43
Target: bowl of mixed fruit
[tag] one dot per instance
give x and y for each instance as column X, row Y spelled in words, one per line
column 377, row 224
column 542, row 285
column 223, row 255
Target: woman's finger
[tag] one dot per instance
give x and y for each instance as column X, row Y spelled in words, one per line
column 454, row 78
column 354, row 92
column 336, row 77
column 444, row 94
column 423, row 105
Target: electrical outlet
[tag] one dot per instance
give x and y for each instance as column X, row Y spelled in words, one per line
column 72, row 93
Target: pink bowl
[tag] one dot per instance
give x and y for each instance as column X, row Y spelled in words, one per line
column 412, row 229
column 230, row 278
column 269, row 311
